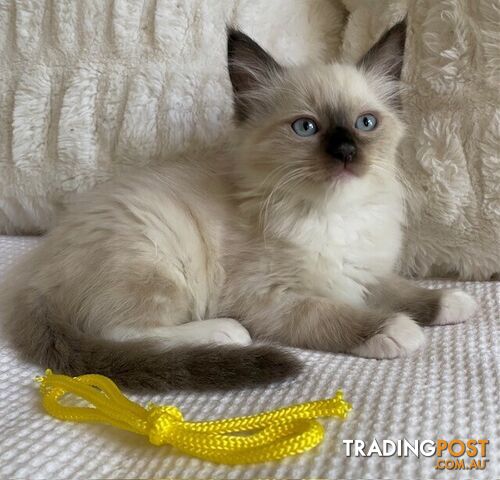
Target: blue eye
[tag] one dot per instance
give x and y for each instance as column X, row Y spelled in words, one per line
column 305, row 127
column 366, row 122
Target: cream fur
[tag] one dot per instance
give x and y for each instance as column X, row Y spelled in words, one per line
column 274, row 236
column 197, row 238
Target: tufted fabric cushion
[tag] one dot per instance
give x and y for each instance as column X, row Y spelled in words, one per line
column 88, row 87
column 451, row 157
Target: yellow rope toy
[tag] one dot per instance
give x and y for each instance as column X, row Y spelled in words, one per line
column 242, row 440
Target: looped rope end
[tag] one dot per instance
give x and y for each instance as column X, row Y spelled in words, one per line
column 343, row 407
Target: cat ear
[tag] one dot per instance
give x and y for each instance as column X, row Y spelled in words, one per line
column 250, row 68
column 386, row 56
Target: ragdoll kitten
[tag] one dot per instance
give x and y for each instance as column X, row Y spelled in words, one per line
column 288, row 234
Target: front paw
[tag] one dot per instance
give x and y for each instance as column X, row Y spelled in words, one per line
column 399, row 337
column 225, row 331
column 456, row 306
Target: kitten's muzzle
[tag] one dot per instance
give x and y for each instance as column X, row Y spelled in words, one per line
column 341, row 146
column 345, row 153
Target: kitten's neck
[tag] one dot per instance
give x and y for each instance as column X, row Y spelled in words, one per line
column 277, row 214
column 272, row 214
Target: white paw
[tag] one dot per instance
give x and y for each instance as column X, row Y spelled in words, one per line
column 456, row 307
column 400, row 336
column 227, row 331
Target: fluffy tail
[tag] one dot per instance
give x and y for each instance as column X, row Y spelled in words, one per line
column 144, row 364
column 147, row 364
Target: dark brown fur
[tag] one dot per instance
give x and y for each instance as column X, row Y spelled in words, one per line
column 389, row 47
column 144, row 364
column 242, row 50
column 398, row 294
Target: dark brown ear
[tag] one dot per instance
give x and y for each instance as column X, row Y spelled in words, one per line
column 386, row 56
column 250, row 68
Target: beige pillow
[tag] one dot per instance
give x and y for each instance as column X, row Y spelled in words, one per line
column 87, row 87
column 451, row 157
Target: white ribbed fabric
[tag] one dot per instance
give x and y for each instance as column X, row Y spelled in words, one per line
column 447, row 390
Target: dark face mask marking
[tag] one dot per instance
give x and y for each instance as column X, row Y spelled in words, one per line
column 340, row 145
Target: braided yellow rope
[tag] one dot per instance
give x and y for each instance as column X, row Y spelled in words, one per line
column 258, row 438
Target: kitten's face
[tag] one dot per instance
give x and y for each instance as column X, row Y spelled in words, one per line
column 305, row 129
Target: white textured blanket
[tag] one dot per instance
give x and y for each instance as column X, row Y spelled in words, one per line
column 447, row 390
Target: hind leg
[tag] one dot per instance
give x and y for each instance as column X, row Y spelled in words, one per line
column 320, row 324
column 425, row 306
column 217, row 330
